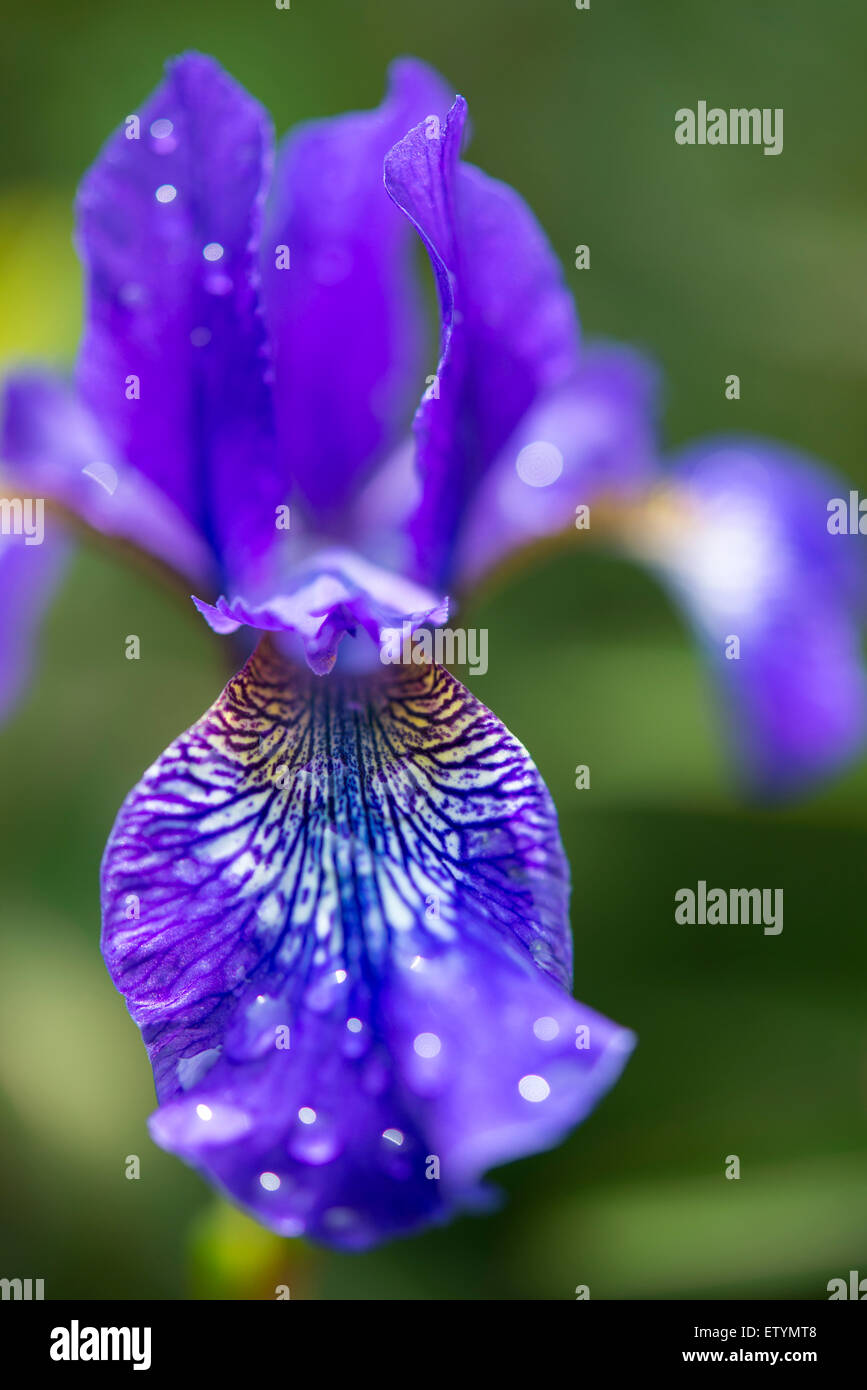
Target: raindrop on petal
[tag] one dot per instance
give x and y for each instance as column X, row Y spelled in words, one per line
column 102, row 473
column 534, row 1088
column 546, row 1028
column 218, row 284
column 539, row 464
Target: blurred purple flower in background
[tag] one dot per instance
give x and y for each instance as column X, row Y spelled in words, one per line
column 337, row 906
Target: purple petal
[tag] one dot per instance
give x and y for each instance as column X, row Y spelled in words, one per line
column 324, row 598
column 592, row 439
column 509, row 332
column 168, row 231
column 56, row 450
column 345, row 313
column 29, row 574
column 741, row 535
column 337, row 910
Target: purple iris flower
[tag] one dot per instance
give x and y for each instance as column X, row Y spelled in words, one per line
column 337, row 906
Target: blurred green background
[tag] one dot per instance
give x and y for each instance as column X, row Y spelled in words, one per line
column 714, row 261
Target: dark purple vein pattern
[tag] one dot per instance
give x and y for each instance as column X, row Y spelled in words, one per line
column 337, row 910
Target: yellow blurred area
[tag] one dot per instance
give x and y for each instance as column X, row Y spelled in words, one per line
column 233, row 1257
column 40, row 289
column 65, row 1038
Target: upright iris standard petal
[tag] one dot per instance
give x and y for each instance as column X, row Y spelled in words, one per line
column 337, row 910
column 172, row 362
column 55, row 450
column 740, row 533
column 509, row 332
column 342, row 302
column 591, row 440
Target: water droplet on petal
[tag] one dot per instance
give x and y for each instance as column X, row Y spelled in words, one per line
column 166, row 193
column 534, row 1088
column 269, row 1181
column 161, row 128
column 218, row 284
column 539, row 464
column 427, row 1045
column 546, row 1029
column 213, row 251
column 315, row 1146
column 339, row 1218
column 130, row 294
column 102, row 473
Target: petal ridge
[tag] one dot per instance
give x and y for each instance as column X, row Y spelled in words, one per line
column 509, row 331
